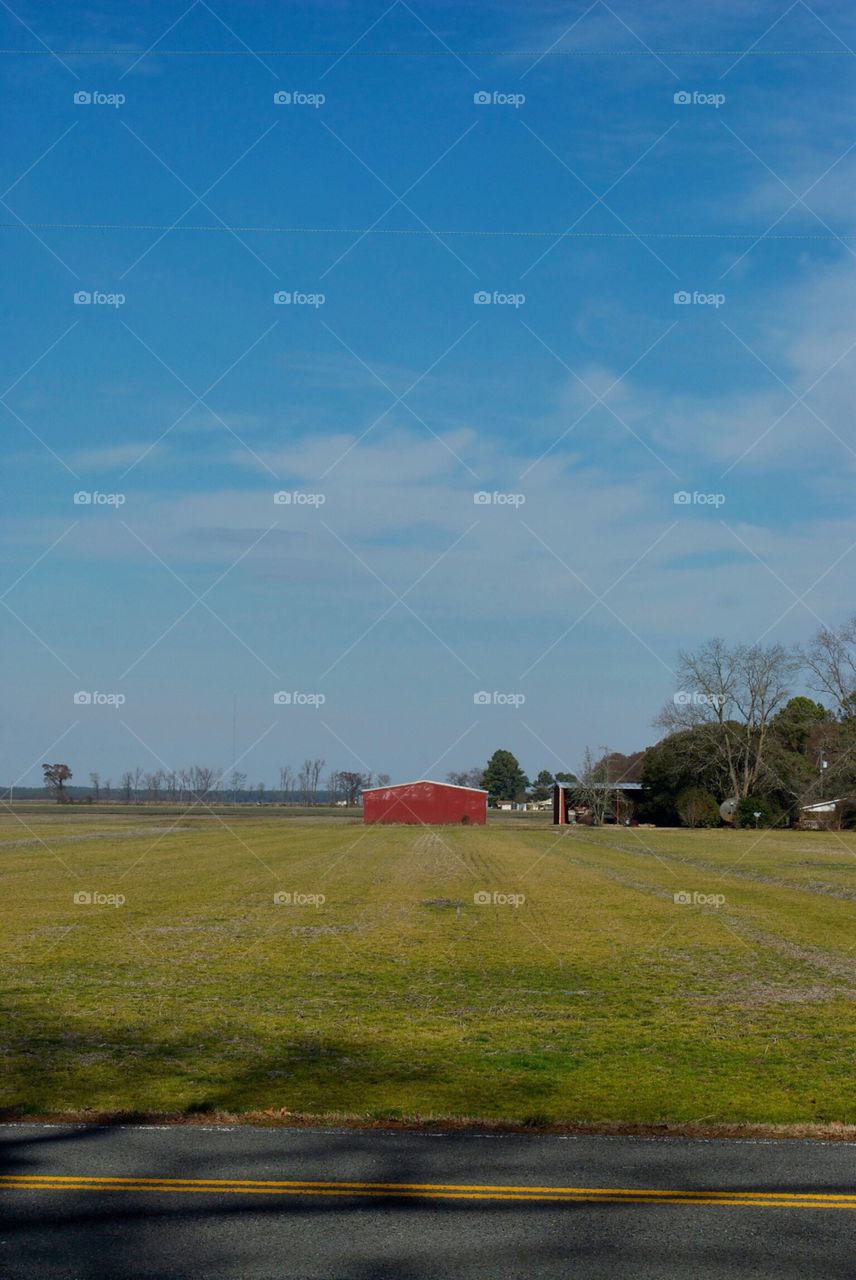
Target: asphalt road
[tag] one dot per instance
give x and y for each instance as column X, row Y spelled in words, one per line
column 80, row 1202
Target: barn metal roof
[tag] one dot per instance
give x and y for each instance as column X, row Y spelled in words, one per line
column 393, row 786
column 601, row 786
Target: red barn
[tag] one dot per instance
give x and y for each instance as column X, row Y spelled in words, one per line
column 432, row 803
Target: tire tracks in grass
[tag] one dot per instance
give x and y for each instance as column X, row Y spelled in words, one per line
column 806, row 955
column 818, row 888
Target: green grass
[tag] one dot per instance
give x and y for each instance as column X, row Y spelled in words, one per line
column 598, row 999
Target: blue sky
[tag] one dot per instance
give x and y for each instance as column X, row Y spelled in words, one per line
column 592, row 398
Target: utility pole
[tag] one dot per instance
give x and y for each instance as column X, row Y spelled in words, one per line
column 234, row 744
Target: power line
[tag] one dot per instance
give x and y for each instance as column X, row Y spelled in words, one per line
column 418, row 231
column 523, row 55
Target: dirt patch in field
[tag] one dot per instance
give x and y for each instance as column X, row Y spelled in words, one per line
column 759, row 994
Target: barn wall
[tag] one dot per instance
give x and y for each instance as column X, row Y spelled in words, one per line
column 434, row 803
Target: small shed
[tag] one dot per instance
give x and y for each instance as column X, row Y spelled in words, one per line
column 826, row 815
column 425, row 803
column 622, row 802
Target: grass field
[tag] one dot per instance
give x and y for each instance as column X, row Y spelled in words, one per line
column 599, row 997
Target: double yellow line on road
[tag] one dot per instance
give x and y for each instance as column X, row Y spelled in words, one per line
column 430, row 1191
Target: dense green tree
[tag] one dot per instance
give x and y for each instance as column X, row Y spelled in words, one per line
column 56, row 776
column 542, row 787
column 768, row 814
column 503, row 778
column 798, row 721
column 804, row 735
column 623, row 768
column 684, row 759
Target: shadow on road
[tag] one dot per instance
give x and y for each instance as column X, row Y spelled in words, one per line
column 99, row 1234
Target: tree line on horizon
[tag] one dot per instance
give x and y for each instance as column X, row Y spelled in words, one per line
column 202, row 783
column 734, row 732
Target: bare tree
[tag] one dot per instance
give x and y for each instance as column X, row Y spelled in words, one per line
column 203, row 780
column 593, row 791
column 127, row 785
column 95, row 784
column 153, row 784
column 304, row 780
column 237, row 782
column 732, row 694
column 334, row 786
column 138, row 778
column 284, row 782
column 382, row 780
column 831, row 660
column 315, row 767
column 466, row 777
column 108, row 788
